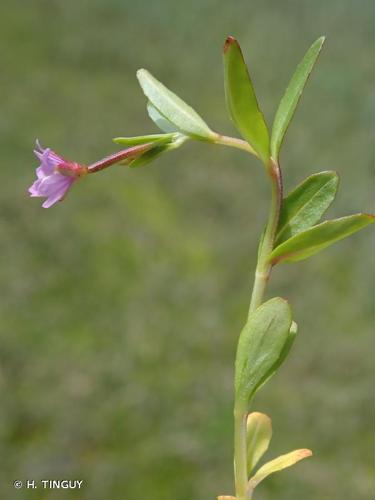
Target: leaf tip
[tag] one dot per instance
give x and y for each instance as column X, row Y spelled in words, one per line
column 258, row 414
column 284, row 301
column 333, row 174
column 304, row 453
column 228, row 42
column 140, row 73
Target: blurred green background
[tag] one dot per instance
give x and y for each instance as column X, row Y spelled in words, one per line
column 121, row 306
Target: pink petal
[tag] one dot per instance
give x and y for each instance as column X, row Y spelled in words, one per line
column 34, row 189
column 51, row 200
column 40, row 173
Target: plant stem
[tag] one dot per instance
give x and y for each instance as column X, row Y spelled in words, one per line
column 264, row 267
column 240, row 453
column 234, row 142
column 127, row 154
column 262, row 274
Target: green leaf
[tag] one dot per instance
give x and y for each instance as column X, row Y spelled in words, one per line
column 259, row 434
column 313, row 240
column 157, row 150
column 160, row 120
column 292, row 95
column 174, row 109
column 278, row 464
column 241, row 100
column 283, row 355
column 143, row 139
column 304, row 206
column 148, row 157
column 260, row 345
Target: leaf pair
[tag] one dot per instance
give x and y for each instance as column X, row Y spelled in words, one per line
column 170, row 112
column 243, row 105
column 262, row 347
column 259, row 434
column 297, row 237
column 172, row 115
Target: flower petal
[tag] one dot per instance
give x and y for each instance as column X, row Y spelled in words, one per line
column 34, row 188
column 52, row 182
column 39, row 146
column 40, row 173
column 58, row 194
column 51, row 200
column 55, row 176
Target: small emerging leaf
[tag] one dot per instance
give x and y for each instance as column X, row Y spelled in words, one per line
column 148, row 157
column 278, row 464
column 259, row 434
column 173, row 108
column 160, row 120
column 317, row 238
column 241, row 100
column 159, row 148
column 143, row 139
column 260, row 344
column 305, row 206
column 292, row 95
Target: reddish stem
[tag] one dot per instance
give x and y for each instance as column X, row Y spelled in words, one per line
column 125, row 154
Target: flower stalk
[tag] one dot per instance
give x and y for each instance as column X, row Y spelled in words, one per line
column 125, row 157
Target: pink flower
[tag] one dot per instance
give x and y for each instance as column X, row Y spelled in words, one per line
column 55, row 176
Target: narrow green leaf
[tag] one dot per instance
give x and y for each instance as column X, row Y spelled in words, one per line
column 259, row 434
column 278, row 464
column 304, row 206
column 313, row 240
column 148, row 157
column 143, row 139
column 292, row 95
column 260, row 345
column 159, row 148
column 174, row 109
column 160, row 120
column 241, row 100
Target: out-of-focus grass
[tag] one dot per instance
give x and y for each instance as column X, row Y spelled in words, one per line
column 121, row 307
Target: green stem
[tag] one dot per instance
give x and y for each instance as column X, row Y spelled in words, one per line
column 240, row 453
column 262, row 274
column 234, row 142
column 264, row 267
